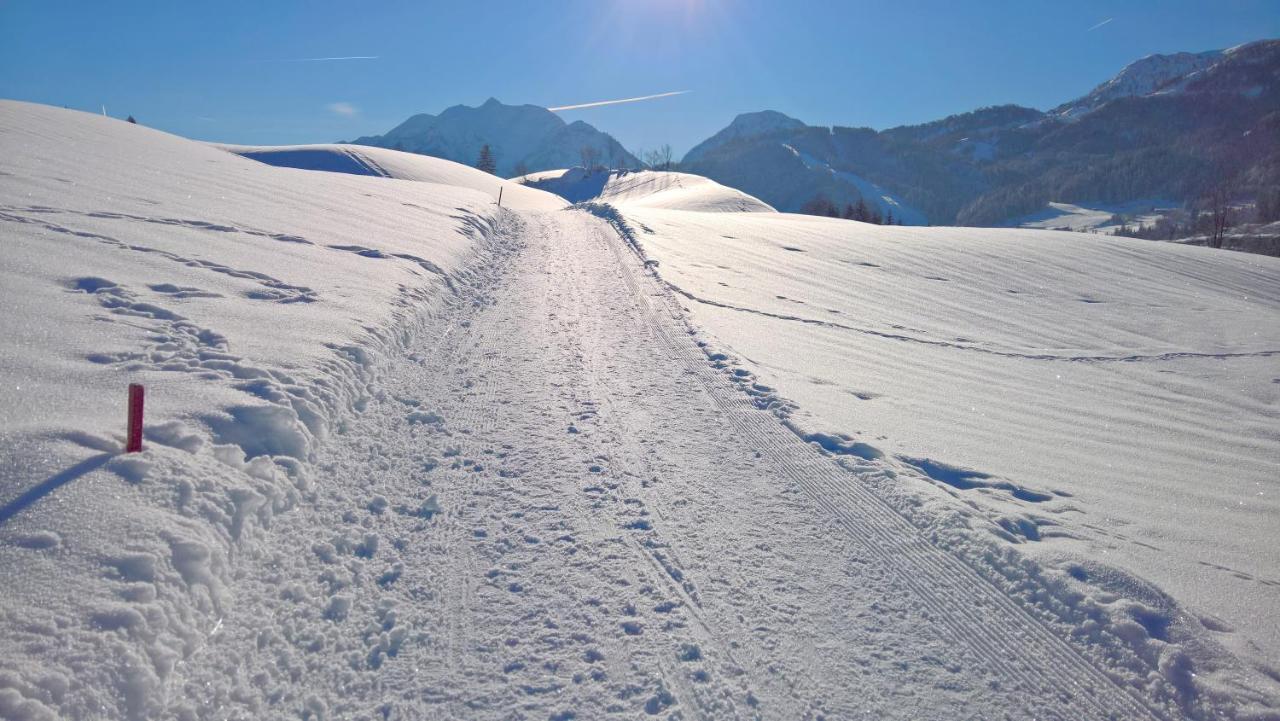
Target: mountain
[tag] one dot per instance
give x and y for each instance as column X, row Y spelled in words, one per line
column 746, row 125
column 1142, row 77
column 517, row 134
column 1166, row 126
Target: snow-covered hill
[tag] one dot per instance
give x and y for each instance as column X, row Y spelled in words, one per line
column 258, row 305
column 385, row 163
column 645, row 188
column 1095, row 217
column 517, row 134
column 1104, row 405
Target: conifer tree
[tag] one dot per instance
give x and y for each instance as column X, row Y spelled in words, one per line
column 486, row 161
column 860, row 212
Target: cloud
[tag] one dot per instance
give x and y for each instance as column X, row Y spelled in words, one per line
column 346, row 110
column 598, row 103
column 1095, row 27
column 326, row 60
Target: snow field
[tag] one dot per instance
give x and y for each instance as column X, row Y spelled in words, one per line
column 1037, row 403
column 411, row 456
column 257, row 305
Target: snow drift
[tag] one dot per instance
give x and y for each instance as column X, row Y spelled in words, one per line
column 645, row 189
column 381, row 162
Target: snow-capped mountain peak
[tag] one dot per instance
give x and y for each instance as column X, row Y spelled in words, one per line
column 745, row 125
column 1141, row 77
column 517, row 135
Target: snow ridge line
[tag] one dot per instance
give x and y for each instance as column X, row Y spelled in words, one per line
column 972, row 575
column 1138, row 358
column 368, row 163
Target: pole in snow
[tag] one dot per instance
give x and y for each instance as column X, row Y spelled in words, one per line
column 136, row 394
column 499, row 196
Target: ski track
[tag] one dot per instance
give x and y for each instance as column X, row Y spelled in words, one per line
column 1175, row 355
column 621, row 533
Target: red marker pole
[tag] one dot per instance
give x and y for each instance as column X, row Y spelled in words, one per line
column 136, row 395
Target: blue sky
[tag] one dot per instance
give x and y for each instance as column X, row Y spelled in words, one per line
column 223, row 71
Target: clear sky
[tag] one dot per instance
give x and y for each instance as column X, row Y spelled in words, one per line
column 234, row 71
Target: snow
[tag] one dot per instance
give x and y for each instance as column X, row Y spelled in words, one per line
column 1148, row 75
column 255, row 303
column 1103, row 403
column 1094, row 217
column 410, row 455
column 646, row 188
column 368, row 160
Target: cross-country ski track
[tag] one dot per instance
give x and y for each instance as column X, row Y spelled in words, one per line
column 606, row 542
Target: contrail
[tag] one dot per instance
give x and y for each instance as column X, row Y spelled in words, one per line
column 1095, row 27
column 323, row 60
column 598, row 103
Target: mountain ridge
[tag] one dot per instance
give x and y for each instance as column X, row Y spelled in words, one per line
column 1164, row 126
column 518, row 135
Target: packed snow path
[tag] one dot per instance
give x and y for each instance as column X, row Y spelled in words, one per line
column 556, row 507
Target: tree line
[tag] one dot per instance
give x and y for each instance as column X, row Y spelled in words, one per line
column 590, row 156
column 860, row 211
column 1210, row 217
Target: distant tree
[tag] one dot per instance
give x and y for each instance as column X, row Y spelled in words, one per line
column 521, row 169
column 660, row 159
column 888, row 217
column 486, row 162
column 860, row 212
column 1218, row 203
column 398, row 146
column 664, row 157
column 590, row 157
column 848, row 211
column 131, row 120
column 820, row 205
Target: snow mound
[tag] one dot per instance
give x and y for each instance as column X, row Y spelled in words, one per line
column 382, row 162
column 646, row 189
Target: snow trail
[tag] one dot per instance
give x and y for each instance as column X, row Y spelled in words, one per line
column 557, row 507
